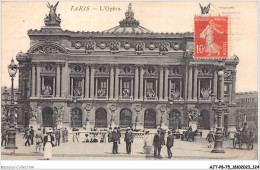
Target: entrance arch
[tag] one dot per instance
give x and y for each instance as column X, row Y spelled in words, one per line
column 125, row 118
column 150, row 119
column 101, row 118
column 47, row 117
column 76, row 117
column 204, row 120
column 174, row 119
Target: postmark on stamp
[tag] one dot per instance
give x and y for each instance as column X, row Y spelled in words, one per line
column 211, row 37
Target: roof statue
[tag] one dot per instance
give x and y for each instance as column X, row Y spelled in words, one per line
column 52, row 19
column 129, row 24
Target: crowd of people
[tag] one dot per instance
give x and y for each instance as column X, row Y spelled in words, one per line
column 45, row 139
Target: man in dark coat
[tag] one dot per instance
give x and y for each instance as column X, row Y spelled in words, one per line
column 169, row 143
column 115, row 138
column 156, row 142
column 57, row 137
column 27, row 137
column 161, row 142
column 31, row 134
column 119, row 134
column 129, row 140
column 4, row 138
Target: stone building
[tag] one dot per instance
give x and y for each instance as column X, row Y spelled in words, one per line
column 124, row 76
column 247, row 109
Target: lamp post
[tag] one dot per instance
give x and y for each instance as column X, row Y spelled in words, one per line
column 12, row 69
column 218, row 111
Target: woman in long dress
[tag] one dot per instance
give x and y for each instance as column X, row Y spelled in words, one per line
column 147, row 148
column 48, row 144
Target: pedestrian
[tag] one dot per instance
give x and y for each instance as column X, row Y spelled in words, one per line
column 48, row 144
column 31, row 134
column 66, row 134
column 119, row 134
column 156, row 143
column 63, row 135
column 210, row 138
column 4, row 137
column 161, row 142
column 109, row 135
column 169, row 143
column 129, row 140
column 57, row 137
column 44, row 131
column 104, row 137
column 38, row 139
column 27, row 137
column 147, row 148
column 115, row 139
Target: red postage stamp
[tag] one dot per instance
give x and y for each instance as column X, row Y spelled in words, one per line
column 211, row 37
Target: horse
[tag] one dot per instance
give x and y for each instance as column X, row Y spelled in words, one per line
column 190, row 135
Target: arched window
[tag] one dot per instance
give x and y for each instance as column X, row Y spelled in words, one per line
column 204, row 120
column 150, row 119
column 76, row 117
column 47, row 117
column 101, row 118
column 125, row 118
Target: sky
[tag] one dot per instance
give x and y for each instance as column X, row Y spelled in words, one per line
column 19, row 17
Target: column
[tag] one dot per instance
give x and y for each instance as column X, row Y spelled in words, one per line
column 170, row 87
column 141, row 82
column 145, row 86
column 82, row 85
column 181, row 88
column 136, row 83
column 190, row 83
column 87, row 82
column 116, row 82
column 186, row 83
column 107, row 89
column 199, row 88
column 58, row 81
column 233, row 95
column 215, row 83
column 166, row 83
column 92, row 81
column 156, row 87
column 71, row 86
column 230, row 92
column 53, row 87
column 161, row 83
column 33, row 80
column 121, row 88
column 132, row 84
column 42, row 82
column 195, row 83
column 38, row 80
column 221, row 77
column 96, row 87
column 65, row 79
column 111, row 91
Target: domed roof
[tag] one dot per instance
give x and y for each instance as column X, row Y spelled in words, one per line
column 21, row 55
column 129, row 24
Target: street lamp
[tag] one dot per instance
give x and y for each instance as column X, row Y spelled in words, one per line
column 12, row 69
column 219, row 133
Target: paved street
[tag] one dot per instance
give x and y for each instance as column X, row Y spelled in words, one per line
column 182, row 150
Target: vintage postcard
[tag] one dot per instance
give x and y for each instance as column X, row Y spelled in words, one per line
column 175, row 81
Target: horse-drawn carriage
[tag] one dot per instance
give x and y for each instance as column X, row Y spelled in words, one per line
column 244, row 137
column 189, row 135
